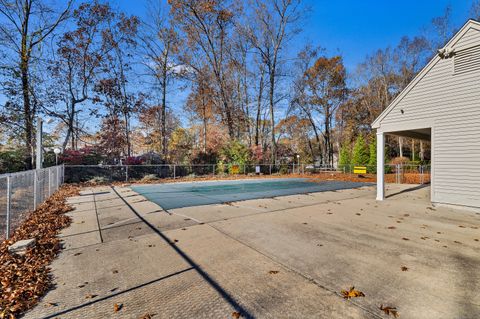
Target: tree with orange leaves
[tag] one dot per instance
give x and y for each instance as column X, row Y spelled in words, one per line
column 326, row 90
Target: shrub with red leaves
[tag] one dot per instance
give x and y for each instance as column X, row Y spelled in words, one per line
column 24, row 279
column 132, row 160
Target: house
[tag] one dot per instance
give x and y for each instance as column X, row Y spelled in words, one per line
column 442, row 105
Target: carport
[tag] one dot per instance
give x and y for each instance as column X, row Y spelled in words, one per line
column 441, row 105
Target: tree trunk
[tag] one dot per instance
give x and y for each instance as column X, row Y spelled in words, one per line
column 259, row 108
column 272, row 114
column 127, row 133
column 27, row 110
column 164, row 108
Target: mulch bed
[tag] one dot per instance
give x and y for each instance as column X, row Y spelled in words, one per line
column 25, row 279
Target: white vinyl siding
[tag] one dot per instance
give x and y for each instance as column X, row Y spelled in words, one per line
column 448, row 96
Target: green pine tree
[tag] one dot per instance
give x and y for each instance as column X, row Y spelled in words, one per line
column 360, row 154
column 372, row 162
column 345, row 157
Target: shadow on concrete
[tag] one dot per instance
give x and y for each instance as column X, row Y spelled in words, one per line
column 408, row 190
column 468, row 284
column 224, row 294
column 55, row 315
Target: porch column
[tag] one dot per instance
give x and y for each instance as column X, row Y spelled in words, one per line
column 380, row 166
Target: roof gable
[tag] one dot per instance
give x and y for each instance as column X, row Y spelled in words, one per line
column 468, row 26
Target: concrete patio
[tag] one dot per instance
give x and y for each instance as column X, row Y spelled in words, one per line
column 284, row 257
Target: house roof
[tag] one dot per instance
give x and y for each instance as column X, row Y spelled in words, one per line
column 470, row 24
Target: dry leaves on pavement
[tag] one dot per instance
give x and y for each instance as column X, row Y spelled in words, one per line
column 25, row 279
column 117, row 307
column 390, row 311
column 352, row 293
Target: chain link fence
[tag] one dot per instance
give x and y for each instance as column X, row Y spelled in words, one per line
column 399, row 173
column 22, row 192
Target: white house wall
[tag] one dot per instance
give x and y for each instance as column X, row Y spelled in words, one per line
column 450, row 103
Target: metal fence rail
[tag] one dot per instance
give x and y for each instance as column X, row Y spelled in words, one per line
column 395, row 173
column 22, row 192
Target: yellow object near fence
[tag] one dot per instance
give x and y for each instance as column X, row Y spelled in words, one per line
column 235, row 169
column 359, row 170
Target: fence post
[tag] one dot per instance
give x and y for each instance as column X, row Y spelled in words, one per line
column 126, row 173
column 270, row 169
column 174, row 171
column 9, row 205
column 58, row 177
column 213, row 169
column 35, row 189
column 49, row 182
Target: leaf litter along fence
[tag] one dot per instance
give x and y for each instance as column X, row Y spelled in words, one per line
column 22, row 192
column 399, row 173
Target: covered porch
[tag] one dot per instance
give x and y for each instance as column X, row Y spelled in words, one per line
column 419, row 133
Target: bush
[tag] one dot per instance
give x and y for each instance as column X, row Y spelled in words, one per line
column 372, row 162
column 12, row 161
column 132, row 160
column 83, row 156
column 234, row 153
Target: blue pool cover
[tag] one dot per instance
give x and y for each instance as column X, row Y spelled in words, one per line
column 178, row 195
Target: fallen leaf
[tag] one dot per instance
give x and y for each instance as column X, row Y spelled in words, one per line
column 115, row 271
column 117, row 307
column 392, row 227
column 405, row 238
column 352, row 293
column 77, row 254
column 388, row 310
column 25, row 279
column 146, row 316
column 273, row 272
column 236, row 315
column 404, row 268
column 90, row 296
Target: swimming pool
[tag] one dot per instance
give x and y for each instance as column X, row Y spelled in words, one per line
column 187, row 194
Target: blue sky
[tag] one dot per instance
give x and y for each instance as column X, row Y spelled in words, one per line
column 356, row 28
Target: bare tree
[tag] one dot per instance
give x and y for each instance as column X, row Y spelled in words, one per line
column 160, row 43
column 81, row 53
column 207, row 26
column 25, row 26
column 273, row 26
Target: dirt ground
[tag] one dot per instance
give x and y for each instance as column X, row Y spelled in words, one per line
column 283, row 257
